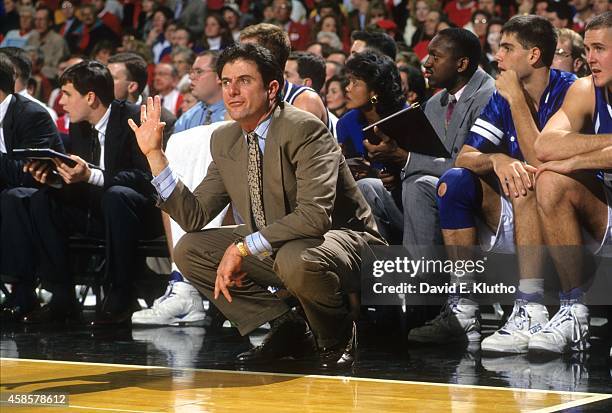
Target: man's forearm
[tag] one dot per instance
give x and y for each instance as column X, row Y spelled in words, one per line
column 526, row 129
column 477, row 162
column 560, row 145
column 157, row 162
column 599, row 159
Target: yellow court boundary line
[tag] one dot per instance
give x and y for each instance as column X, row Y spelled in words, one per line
column 602, row 396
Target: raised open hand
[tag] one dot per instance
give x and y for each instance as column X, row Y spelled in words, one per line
column 150, row 132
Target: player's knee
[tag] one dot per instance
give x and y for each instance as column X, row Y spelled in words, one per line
column 458, row 197
column 552, row 189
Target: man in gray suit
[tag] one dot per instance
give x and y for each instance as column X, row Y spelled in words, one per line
column 306, row 220
column 452, row 65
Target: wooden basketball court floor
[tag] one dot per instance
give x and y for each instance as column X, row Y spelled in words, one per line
column 99, row 387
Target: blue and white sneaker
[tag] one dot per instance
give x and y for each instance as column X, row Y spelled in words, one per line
column 181, row 305
column 566, row 332
column 526, row 319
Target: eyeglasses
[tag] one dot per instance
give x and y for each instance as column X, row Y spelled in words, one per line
column 481, row 21
column 197, row 72
column 562, row 53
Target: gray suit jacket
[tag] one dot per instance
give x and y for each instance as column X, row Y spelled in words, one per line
column 308, row 188
column 473, row 99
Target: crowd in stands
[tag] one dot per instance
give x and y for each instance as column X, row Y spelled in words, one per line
column 515, row 90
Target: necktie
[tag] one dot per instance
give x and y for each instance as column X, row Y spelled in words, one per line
column 95, row 147
column 255, row 180
column 208, row 118
column 449, row 109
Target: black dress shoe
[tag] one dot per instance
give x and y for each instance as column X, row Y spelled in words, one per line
column 15, row 313
column 341, row 356
column 289, row 336
column 53, row 314
column 116, row 316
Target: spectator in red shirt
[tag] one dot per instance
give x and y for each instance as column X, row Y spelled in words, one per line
column 460, row 12
column 298, row 32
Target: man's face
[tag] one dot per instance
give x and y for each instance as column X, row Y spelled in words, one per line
column 339, row 58
column 281, row 10
column 9, row 6
column 41, row 21
column 358, row 47
column 67, row 10
column 512, row 56
column 245, row 95
column 182, row 65
column 601, row 6
column 291, row 73
column 87, row 16
column 441, row 64
column 163, row 81
column 487, row 5
column 598, row 45
column 431, row 22
column 25, row 20
column 181, row 38
column 120, row 79
column 75, row 104
column 205, row 83
column 563, row 56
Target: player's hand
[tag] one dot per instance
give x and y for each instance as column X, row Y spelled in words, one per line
column 387, row 151
column 509, row 86
column 515, row 177
column 40, row 171
column 150, row 132
column 564, row 167
column 71, row 175
column 229, row 272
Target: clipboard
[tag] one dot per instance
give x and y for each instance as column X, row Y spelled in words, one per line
column 47, row 154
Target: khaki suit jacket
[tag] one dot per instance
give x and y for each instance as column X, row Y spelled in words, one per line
column 308, row 188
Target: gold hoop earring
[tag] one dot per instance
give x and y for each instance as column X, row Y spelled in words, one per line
column 374, row 100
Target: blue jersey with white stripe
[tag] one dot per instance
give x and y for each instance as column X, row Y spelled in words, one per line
column 494, row 131
column 292, row 91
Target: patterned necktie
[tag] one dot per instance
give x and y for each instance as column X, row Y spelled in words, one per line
column 96, row 149
column 449, row 109
column 255, row 180
column 208, row 117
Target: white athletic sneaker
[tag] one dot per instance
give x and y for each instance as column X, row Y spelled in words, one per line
column 458, row 321
column 567, row 331
column 525, row 320
column 181, row 305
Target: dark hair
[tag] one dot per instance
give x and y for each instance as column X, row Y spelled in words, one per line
column 416, row 82
column 22, row 65
column 272, row 38
column 7, row 75
column 135, row 68
column 379, row 41
column 534, row 31
column 340, row 79
column 90, row 76
column 267, row 64
column 563, row 10
column 311, row 66
column 381, row 75
column 224, row 31
column 463, row 43
column 603, row 21
column 50, row 14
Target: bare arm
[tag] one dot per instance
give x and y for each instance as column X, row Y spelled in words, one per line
column 561, row 138
column 311, row 102
column 509, row 86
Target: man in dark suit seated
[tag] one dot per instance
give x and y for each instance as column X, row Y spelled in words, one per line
column 305, row 219
column 23, row 124
column 112, row 200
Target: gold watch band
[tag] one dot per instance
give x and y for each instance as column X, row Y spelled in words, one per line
column 242, row 248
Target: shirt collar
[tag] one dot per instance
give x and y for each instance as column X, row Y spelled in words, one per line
column 4, row 106
column 457, row 95
column 102, row 124
column 261, row 130
column 215, row 106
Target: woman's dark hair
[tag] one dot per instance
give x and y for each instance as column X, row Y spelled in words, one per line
column 340, row 79
column 90, row 76
column 381, row 75
column 226, row 34
column 267, row 64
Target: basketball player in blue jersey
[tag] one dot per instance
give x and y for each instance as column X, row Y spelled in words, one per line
column 277, row 41
column 571, row 197
column 490, row 194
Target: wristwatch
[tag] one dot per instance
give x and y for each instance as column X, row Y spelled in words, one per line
column 242, row 247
